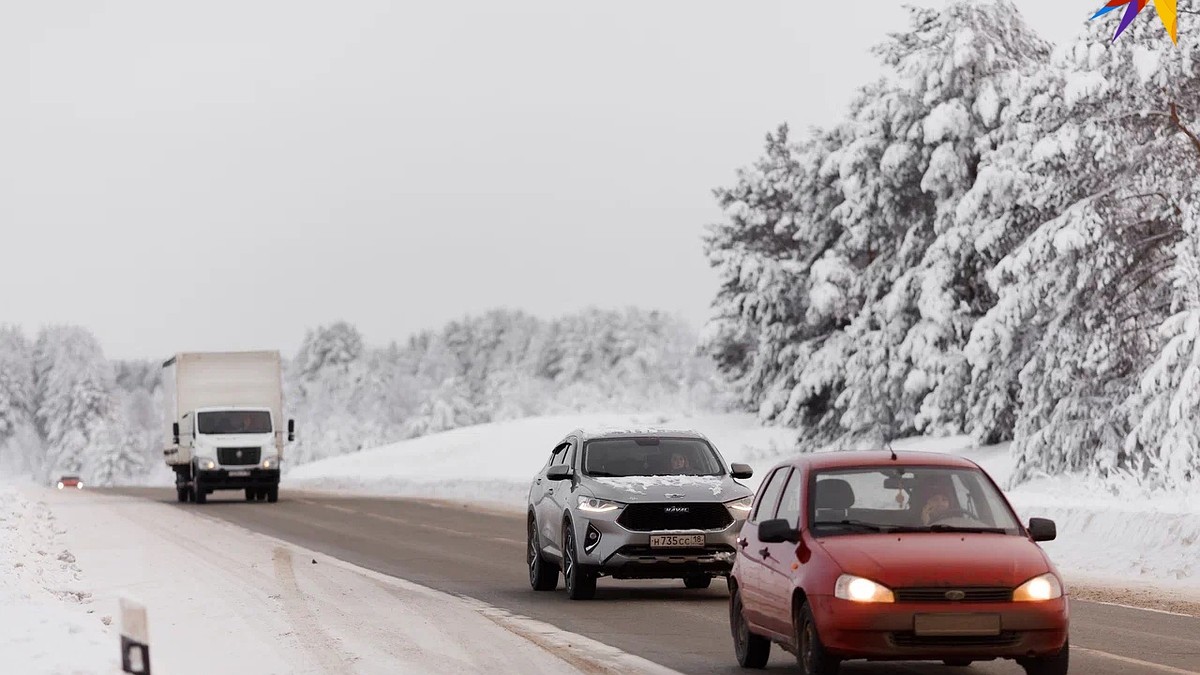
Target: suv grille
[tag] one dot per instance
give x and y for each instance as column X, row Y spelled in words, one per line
column 654, row 517
column 977, row 594
column 238, row 456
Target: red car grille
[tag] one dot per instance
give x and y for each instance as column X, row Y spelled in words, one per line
column 954, row 594
column 912, row 640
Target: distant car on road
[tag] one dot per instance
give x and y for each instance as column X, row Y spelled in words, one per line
column 70, row 482
column 912, row 556
column 649, row 504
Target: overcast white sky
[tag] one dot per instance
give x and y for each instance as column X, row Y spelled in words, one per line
column 223, row 175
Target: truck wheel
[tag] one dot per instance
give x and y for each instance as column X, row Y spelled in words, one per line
column 250, row 495
column 198, row 491
column 273, row 494
column 181, row 493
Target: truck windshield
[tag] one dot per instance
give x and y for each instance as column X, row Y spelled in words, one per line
column 234, row 422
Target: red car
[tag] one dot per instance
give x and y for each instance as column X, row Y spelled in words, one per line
column 70, row 482
column 894, row 556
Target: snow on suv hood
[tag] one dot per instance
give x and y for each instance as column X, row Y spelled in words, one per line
column 656, row 488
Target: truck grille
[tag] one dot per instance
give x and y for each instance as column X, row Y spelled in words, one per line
column 238, row 456
column 655, row 517
column 977, row 594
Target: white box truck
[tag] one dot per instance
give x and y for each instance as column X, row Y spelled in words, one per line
column 223, row 417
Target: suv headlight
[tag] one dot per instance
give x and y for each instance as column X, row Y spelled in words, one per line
column 858, row 589
column 1039, row 589
column 740, row 508
column 593, row 505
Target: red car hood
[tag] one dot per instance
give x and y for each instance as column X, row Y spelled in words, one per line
column 938, row 559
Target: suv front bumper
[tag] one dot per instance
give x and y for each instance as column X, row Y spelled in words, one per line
column 625, row 554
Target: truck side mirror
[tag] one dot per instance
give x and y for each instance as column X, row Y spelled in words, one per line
column 175, row 431
column 291, row 430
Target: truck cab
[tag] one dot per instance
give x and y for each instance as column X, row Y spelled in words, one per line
column 232, row 448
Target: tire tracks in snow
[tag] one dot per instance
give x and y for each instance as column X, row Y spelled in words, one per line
column 324, row 649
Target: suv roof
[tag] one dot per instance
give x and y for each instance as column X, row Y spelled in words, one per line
column 634, row 432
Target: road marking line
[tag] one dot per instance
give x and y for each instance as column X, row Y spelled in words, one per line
column 1135, row 662
column 1146, row 609
column 427, row 526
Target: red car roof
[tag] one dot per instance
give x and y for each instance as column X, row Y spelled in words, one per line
column 882, row 458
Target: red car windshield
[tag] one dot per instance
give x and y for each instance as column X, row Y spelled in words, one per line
column 907, row 499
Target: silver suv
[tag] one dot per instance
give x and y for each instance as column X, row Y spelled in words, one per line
column 644, row 504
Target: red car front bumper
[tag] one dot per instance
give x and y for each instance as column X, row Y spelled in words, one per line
column 886, row 631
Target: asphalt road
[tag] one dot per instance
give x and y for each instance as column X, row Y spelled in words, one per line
column 480, row 554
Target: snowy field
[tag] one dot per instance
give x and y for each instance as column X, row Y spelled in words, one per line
column 251, row 605
column 1158, row 533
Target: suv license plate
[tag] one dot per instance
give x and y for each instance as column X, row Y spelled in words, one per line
column 676, row 541
column 240, row 474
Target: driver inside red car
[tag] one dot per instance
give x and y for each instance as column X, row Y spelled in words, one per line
column 935, row 499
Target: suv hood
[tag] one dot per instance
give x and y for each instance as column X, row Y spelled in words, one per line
column 657, row 488
column 934, row 559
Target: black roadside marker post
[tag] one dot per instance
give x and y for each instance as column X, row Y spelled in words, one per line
column 135, row 639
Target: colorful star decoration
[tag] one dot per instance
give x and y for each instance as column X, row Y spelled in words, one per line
column 1168, row 12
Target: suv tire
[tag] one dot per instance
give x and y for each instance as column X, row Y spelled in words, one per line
column 752, row 651
column 581, row 581
column 543, row 575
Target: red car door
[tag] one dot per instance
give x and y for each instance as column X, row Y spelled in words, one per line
column 781, row 563
column 753, row 573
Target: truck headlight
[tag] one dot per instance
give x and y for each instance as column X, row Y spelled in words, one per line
column 740, row 508
column 270, row 463
column 1039, row 589
column 206, row 464
column 858, row 589
column 593, row 505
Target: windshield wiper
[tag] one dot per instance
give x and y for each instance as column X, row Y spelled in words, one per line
column 852, row 523
column 952, row 528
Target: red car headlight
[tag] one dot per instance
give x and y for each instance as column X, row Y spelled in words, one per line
column 858, row 589
column 1039, row 589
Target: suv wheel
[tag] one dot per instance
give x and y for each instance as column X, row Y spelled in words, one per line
column 581, row 582
column 1049, row 665
column 810, row 653
column 752, row 650
column 543, row 576
column 698, row 581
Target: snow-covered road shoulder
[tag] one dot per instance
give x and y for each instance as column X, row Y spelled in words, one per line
column 224, row 599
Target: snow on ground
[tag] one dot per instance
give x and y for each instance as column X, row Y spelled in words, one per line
column 496, row 462
column 223, row 599
column 49, row 622
column 1109, row 534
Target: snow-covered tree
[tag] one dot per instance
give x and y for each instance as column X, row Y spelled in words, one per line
column 73, row 399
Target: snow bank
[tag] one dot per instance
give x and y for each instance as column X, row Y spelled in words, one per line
column 49, row 622
column 221, row 599
column 496, row 462
column 1109, row 533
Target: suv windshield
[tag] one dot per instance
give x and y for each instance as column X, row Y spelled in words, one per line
column 907, row 499
column 620, row 457
column 234, row 422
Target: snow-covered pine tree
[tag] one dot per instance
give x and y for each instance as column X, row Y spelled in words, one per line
column 1082, row 296
column 73, row 398
column 16, row 400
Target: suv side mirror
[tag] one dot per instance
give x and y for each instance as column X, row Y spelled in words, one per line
column 175, row 431
column 1042, row 529
column 559, row 472
column 291, row 430
column 740, row 470
column 777, row 531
